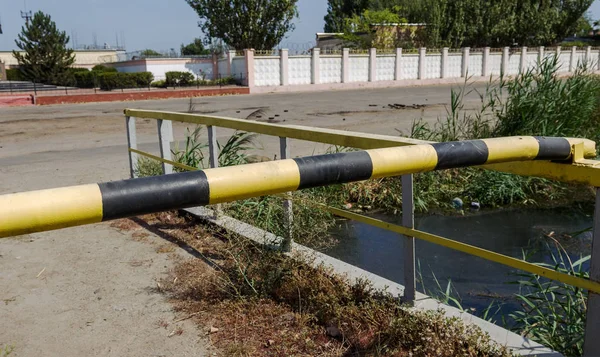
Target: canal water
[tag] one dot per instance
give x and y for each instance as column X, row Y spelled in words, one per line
column 476, row 281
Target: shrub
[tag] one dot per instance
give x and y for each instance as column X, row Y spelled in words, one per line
column 14, row 74
column 175, row 78
column 78, row 70
column 112, row 80
column 103, row 68
column 159, row 84
column 85, row 79
column 143, row 79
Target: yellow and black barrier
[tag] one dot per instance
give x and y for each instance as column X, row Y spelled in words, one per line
column 43, row 210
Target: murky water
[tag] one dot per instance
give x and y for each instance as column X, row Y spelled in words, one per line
column 476, row 280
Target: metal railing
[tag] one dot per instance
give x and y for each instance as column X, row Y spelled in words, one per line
column 578, row 170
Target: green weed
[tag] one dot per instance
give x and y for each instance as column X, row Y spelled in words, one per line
column 553, row 313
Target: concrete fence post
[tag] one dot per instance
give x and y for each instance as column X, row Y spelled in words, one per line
column 230, row 56
column 165, row 136
column 484, row 62
column 315, row 70
column 422, row 59
column 588, row 54
column 131, row 144
column 591, row 345
column 541, row 54
column 398, row 65
column 523, row 60
column 465, row 62
column 345, row 65
column 249, row 57
column 444, row 71
column 372, row 64
column 505, row 59
column 572, row 62
column 283, row 67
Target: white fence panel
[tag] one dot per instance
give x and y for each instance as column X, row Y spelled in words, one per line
column 386, row 66
column 299, row 70
column 359, row 68
column 330, row 69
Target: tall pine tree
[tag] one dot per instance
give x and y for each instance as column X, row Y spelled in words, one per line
column 46, row 58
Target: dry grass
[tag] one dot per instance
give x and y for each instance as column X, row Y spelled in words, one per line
column 256, row 302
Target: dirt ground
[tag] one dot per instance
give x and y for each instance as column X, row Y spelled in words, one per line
column 92, row 290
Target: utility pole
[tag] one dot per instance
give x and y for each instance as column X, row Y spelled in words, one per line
column 26, row 14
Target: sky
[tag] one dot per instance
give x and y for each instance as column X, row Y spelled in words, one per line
column 141, row 24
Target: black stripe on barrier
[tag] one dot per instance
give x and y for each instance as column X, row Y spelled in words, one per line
column 460, row 154
column 153, row 194
column 553, row 148
column 329, row 169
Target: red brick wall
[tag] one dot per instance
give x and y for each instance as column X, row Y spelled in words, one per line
column 128, row 96
column 15, row 101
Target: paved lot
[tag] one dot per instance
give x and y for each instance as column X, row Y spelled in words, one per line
column 89, row 290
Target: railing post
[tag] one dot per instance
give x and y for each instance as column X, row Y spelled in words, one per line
column 213, row 156
column 213, row 148
column 591, row 345
column 165, row 136
column 131, row 144
column 541, row 55
column 588, row 54
column 408, row 220
column 572, row 63
column 288, row 214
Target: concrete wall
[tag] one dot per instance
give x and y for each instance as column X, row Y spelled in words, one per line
column 160, row 66
column 344, row 69
column 86, row 59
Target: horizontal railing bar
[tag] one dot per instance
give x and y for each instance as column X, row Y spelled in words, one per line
column 469, row 249
column 586, row 172
column 325, row 136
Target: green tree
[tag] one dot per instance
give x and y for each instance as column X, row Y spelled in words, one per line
column 150, row 53
column 479, row 23
column 340, row 10
column 360, row 32
column 196, row 48
column 241, row 24
column 46, row 58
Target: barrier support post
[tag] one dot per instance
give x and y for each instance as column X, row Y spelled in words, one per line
column 131, row 144
column 288, row 214
column 408, row 220
column 591, row 345
column 165, row 136
column 213, row 156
